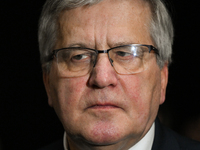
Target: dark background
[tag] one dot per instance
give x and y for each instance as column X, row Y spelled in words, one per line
column 26, row 120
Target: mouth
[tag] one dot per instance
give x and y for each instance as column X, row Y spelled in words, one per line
column 103, row 106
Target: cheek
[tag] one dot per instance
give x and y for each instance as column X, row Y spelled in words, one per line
column 135, row 99
column 70, row 90
column 142, row 93
column 74, row 85
column 66, row 95
column 132, row 88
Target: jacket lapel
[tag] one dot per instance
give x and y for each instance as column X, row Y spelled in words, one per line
column 164, row 140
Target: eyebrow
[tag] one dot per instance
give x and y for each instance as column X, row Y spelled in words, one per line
column 77, row 45
column 122, row 43
column 111, row 45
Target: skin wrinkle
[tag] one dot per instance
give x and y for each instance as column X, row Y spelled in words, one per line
column 137, row 96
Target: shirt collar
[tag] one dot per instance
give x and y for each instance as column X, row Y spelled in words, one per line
column 147, row 141
column 65, row 144
column 144, row 144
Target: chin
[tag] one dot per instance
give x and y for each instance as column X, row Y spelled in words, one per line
column 104, row 134
column 103, row 141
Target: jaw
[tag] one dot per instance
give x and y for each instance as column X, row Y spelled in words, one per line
column 105, row 131
column 83, row 144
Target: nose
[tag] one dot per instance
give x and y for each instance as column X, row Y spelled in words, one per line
column 103, row 73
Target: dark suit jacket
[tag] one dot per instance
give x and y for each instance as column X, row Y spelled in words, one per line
column 165, row 139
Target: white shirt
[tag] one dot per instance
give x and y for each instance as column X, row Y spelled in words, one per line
column 144, row 144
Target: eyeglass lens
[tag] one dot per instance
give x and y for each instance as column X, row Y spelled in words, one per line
column 79, row 62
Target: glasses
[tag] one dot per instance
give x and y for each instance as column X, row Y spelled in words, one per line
column 126, row 59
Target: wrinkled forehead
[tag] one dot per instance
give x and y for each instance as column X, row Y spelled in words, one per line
column 109, row 9
column 105, row 17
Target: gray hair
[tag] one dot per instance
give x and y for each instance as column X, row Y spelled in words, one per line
column 161, row 28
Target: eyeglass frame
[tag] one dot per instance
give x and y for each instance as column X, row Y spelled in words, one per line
column 150, row 47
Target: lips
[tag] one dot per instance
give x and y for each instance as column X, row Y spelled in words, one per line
column 103, row 106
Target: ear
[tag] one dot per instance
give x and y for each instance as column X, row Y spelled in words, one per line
column 164, row 81
column 47, row 87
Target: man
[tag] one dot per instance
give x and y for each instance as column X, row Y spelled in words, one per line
column 105, row 70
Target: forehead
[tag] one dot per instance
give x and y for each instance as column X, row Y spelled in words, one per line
column 109, row 18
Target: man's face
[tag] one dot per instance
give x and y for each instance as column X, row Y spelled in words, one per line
column 104, row 107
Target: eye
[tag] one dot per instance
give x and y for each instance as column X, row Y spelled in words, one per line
column 123, row 54
column 80, row 57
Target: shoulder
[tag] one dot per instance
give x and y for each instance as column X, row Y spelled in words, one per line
column 58, row 145
column 186, row 143
column 166, row 139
